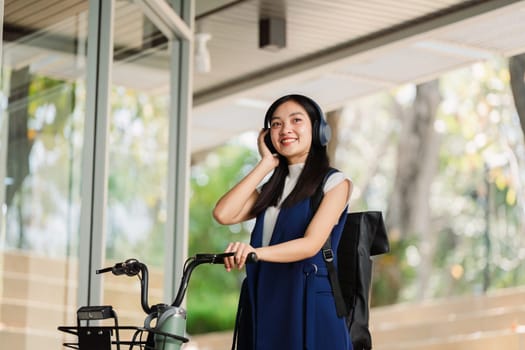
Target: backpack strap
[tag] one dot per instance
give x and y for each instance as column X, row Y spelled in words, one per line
column 328, row 253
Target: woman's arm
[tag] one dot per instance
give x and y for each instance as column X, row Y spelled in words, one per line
column 317, row 232
column 236, row 204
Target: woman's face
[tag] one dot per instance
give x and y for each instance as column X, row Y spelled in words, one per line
column 291, row 132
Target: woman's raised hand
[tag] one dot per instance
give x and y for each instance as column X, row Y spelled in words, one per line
column 264, row 151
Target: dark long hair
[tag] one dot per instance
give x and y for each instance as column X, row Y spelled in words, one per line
column 315, row 167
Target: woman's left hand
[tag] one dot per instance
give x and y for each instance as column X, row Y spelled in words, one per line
column 241, row 251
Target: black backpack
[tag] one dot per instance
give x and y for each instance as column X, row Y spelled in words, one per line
column 364, row 235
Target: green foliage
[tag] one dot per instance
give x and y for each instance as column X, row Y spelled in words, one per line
column 137, row 176
column 58, row 97
column 213, row 293
column 212, row 303
column 475, row 236
column 41, row 154
column 476, row 202
column 391, row 272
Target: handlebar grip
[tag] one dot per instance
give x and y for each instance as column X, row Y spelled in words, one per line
column 219, row 258
column 212, row 258
column 104, row 270
column 252, row 258
column 130, row 267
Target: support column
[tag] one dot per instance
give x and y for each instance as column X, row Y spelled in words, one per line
column 95, row 152
column 176, row 235
column 3, row 150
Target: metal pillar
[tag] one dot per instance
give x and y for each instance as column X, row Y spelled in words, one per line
column 95, row 153
column 176, row 235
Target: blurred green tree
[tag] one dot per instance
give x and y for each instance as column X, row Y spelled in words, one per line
column 213, row 292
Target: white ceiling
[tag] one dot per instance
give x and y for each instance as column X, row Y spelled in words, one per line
column 346, row 67
column 336, row 51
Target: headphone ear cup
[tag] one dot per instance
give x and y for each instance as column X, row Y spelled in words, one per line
column 325, row 133
column 315, row 133
column 322, row 132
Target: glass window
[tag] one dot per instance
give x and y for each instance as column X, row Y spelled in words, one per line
column 41, row 137
column 138, row 158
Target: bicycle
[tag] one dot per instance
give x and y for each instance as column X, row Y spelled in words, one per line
column 170, row 326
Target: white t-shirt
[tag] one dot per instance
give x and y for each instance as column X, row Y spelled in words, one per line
column 294, row 170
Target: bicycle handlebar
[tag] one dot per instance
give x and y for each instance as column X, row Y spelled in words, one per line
column 199, row 259
column 133, row 267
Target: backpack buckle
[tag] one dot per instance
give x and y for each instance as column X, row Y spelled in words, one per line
column 328, row 255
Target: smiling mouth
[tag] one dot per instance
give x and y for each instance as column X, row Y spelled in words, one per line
column 287, row 141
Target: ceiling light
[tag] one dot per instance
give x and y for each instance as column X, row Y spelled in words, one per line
column 272, row 33
column 202, row 54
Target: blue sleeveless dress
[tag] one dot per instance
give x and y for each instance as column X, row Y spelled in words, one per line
column 291, row 305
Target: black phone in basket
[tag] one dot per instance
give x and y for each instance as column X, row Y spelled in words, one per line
column 268, row 142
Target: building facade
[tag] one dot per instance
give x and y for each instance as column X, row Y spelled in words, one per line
column 95, row 104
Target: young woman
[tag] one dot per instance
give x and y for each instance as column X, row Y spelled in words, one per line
column 286, row 300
